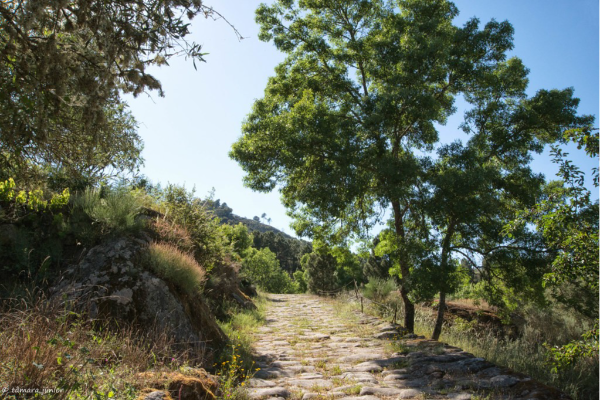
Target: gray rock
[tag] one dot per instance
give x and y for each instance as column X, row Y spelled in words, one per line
column 394, row 372
column 386, row 335
column 409, row 393
column 261, row 393
column 368, row 366
column 156, row 395
column 107, row 284
column 395, row 377
column 380, row 391
column 310, row 383
column 309, row 375
column 362, row 356
column 260, row 383
column 414, row 383
column 281, row 364
column 503, row 381
column 360, row 398
column 359, row 377
column 460, row 396
column 270, row 373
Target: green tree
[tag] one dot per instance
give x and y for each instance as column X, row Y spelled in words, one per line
column 319, row 272
column 567, row 219
column 237, row 238
column 62, row 66
column 362, row 86
column 302, row 287
column 475, row 189
column 262, row 268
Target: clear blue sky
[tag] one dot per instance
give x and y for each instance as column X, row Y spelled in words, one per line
column 188, row 133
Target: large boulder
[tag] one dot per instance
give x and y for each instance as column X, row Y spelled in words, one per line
column 110, row 283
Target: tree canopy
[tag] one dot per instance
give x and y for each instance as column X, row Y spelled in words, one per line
column 344, row 122
column 62, row 67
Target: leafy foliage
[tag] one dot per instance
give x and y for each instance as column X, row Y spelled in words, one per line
column 262, row 268
column 62, row 66
column 362, row 86
column 378, row 289
column 114, row 209
column 319, row 272
column 181, row 207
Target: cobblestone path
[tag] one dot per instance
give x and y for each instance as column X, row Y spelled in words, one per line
column 313, row 348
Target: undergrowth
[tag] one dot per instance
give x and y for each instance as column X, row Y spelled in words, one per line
column 47, row 347
column 235, row 364
column 525, row 354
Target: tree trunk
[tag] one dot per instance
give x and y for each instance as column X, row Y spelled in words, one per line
column 437, row 330
column 409, row 311
column 409, row 307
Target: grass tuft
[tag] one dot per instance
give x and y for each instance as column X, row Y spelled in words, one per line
column 179, row 268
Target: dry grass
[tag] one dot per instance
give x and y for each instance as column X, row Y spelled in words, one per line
column 173, row 234
column 175, row 266
column 45, row 346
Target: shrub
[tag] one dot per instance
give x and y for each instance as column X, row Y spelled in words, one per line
column 171, row 264
column 114, row 209
column 182, row 208
column 262, row 268
column 378, row 289
column 300, row 282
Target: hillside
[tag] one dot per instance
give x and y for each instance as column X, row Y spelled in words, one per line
column 226, row 216
column 288, row 250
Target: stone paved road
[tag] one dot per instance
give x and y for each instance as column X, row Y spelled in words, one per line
column 313, row 348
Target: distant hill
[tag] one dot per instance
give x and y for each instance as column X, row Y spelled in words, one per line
column 226, row 215
column 289, row 250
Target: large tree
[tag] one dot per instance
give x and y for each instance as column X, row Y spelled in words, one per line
column 477, row 188
column 362, row 87
column 64, row 63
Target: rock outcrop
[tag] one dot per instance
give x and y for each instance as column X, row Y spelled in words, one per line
column 110, row 283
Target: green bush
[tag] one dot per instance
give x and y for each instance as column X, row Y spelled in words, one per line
column 300, row 282
column 378, row 289
column 262, row 268
column 179, row 268
column 115, row 210
column 182, row 208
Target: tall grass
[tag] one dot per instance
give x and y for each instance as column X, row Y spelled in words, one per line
column 241, row 327
column 236, row 364
column 46, row 347
column 171, row 264
column 525, row 354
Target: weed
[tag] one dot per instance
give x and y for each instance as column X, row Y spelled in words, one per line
column 241, row 328
column 318, row 389
column 400, row 364
column 336, row 370
column 353, row 390
column 397, row 346
column 233, row 376
column 114, row 209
